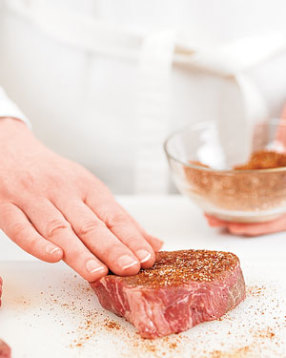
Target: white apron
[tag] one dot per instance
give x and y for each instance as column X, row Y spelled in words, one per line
column 104, row 81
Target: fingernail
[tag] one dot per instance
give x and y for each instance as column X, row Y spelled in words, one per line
column 92, row 266
column 143, row 255
column 126, row 261
column 52, row 250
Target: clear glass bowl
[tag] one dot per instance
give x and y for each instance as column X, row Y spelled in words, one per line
column 233, row 195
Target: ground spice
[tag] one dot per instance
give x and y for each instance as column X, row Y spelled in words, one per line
column 264, row 160
column 268, row 333
column 195, row 265
column 237, row 353
column 263, row 334
column 111, row 324
column 241, row 189
column 173, row 345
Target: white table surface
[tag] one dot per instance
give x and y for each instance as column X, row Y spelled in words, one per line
column 25, row 316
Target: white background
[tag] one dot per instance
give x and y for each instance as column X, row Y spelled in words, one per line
column 84, row 103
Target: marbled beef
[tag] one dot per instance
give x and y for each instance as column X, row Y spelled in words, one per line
column 182, row 289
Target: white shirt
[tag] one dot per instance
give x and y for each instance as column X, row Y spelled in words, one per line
column 104, row 81
column 10, row 109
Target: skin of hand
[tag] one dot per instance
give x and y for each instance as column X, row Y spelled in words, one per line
column 256, row 229
column 252, row 229
column 56, row 210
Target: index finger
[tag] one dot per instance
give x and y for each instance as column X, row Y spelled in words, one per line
column 121, row 225
column 52, row 225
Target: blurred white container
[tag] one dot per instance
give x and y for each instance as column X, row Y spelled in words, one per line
column 104, row 81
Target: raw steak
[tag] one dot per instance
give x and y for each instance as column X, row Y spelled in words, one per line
column 182, row 289
column 5, row 351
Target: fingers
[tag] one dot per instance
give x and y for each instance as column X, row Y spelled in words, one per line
column 128, row 233
column 152, row 240
column 256, row 229
column 16, row 225
column 119, row 222
column 99, row 198
column 99, row 239
column 52, row 225
column 215, row 222
column 250, row 229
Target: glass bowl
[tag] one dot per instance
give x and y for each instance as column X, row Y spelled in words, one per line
column 219, row 190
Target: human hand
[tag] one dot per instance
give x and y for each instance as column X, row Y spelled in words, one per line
column 55, row 209
column 249, row 229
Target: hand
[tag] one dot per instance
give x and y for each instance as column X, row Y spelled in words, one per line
column 251, row 229
column 55, row 209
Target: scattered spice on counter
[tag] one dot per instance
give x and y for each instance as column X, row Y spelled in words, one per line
column 268, row 333
column 242, row 352
column 111, row 324
column 255, row 290
column 173, row 345
column 254, row 329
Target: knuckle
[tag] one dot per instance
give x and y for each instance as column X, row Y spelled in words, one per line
column 87, row 227
column 33, row 244
column 55, row 181
column 27, row 180
column 115, row 219
column 5, row 208
column 6, row 189
column 55, row 227
column 19, row 229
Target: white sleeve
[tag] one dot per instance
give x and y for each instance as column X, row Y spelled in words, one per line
column 10, row 109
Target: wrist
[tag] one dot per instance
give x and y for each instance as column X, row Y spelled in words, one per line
column 8, row 119
column 12, row 129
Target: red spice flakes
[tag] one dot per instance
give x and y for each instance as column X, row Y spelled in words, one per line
column 195, row 265
column 111, row 324
column 173, row 345
column 255, row 290
column 268, row 333
column 237, row 353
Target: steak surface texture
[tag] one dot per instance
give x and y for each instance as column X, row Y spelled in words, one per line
column 5, row 351
column 182, row 289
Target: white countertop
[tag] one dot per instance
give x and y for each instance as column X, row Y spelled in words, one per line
column 48, row 311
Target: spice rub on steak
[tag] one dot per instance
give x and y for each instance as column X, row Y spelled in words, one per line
column 182, row 289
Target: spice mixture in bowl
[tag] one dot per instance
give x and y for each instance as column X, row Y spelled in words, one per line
column 232, row 178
